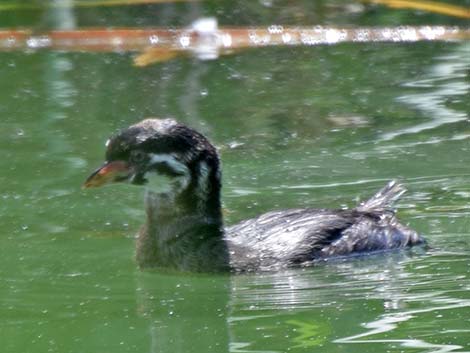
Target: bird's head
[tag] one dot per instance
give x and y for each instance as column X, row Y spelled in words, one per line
column 160, row 154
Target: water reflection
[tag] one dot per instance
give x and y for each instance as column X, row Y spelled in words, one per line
column 445, row 81
column 374, row 301
column 319, row 309
column 184, row 314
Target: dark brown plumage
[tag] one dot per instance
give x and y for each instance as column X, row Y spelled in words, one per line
column 184, row 227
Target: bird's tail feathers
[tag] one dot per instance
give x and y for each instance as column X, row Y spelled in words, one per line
column 384, row 199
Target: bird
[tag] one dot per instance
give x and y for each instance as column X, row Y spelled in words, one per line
column 184, row 229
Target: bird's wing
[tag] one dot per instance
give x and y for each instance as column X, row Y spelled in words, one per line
column 290, row 235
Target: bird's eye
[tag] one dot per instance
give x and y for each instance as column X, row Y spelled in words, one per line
column 137, row 156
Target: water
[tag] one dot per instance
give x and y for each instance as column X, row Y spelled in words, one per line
column 319, row 126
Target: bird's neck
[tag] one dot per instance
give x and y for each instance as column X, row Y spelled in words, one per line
column 163, row 208
column 183, row 231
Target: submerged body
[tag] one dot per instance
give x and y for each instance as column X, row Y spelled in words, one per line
column 184, row 227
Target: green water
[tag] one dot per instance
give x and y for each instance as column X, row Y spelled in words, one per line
column 320, row 126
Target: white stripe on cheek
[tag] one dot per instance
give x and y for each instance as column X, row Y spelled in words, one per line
column 176, row 166
column 171, row 161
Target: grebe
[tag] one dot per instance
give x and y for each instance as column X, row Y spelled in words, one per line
column 184, row 227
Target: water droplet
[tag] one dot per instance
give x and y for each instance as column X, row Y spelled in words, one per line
column 226, row 40
column 117, row 41
column 38, row 42
column 286, row 38
column 185, row 41
column 267, row 3
column 267, row 77
column 235, row 144
column 10, row 41
column 275, row 29
column 153, row 39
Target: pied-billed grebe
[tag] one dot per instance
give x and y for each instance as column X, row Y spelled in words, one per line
column 184, row 227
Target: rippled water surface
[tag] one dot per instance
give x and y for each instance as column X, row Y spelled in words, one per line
column 321, row 126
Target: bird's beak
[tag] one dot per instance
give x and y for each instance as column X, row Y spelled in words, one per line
column 109, row 172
